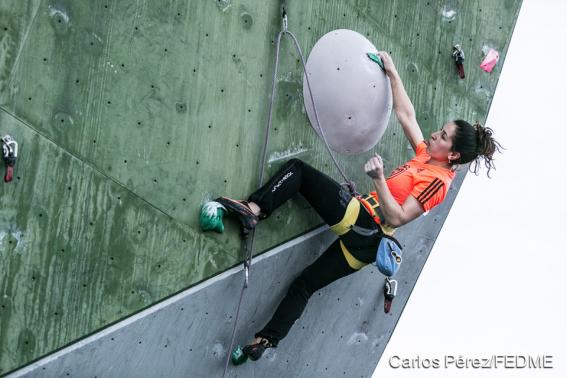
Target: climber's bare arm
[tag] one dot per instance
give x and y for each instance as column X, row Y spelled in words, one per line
column 402, row 104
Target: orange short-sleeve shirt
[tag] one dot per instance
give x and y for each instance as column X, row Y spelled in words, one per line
column 427, row 183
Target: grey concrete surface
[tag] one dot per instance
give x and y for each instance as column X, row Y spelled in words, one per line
column 342, row 332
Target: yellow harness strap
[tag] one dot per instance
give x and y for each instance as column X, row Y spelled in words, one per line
column 341, row 228
column 352, row 261
column 351, row 214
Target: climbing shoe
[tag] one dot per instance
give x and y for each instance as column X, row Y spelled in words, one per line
column 247, row 218
column 255, row 351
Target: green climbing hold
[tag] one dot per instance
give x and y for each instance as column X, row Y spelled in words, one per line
column 375, row 58
column 238, row 356
column 211, row 216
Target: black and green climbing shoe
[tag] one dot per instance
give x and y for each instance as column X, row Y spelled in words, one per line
column 255, row 351
column 247, row 218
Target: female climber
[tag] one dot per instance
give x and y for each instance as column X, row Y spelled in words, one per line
column 410, row 190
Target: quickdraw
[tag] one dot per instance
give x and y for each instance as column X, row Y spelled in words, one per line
column 390, row 289
column 459, row 56
column 9, row 154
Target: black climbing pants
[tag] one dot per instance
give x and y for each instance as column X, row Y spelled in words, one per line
column 329, row 199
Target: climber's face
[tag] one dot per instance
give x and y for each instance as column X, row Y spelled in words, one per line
column 440, row 144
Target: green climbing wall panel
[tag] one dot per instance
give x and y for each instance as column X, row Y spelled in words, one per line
column 131, row 114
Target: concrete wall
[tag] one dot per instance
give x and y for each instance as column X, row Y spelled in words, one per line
column 342, row 332
column 131, row 114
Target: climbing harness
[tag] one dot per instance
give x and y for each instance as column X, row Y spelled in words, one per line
column 9, row 154
column 459, row 56
column 389, row 251
column 390, row 289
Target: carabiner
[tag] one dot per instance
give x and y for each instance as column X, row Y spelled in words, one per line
column 246, row 273
column 9, row 155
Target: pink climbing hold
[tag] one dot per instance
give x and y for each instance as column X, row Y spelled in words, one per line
column 490, row 60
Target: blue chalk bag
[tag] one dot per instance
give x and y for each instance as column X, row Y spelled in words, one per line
column 389, row 256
